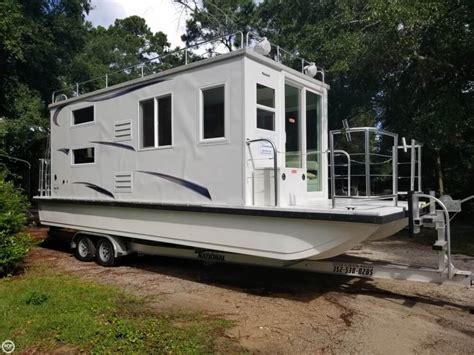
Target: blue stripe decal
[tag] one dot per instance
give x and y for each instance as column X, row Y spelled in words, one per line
column 201, row 190
column 64, row 150
column 96, row 188
column 107, row 97
column 115, row 144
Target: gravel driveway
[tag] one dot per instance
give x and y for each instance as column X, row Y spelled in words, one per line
column 278, row 311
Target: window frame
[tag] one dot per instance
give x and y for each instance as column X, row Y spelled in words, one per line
column 157, row 127
column 155, row 99
column 216, row 140
column 88, row 123
column 265, row 108
column 75, row 165
column 320, row 138
column 140, row 138
column 322, row 90
column 302, row 119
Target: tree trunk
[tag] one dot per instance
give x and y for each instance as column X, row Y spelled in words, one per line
column 439, row 173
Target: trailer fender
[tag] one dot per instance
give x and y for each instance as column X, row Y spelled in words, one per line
column 120, row 247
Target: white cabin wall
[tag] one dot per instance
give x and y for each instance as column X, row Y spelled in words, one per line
column 215, row 166
column 259, row 156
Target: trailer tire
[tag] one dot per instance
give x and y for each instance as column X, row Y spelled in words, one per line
column 105, row 255
column 85, row 249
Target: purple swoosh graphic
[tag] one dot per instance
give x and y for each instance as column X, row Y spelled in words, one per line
column 201, row 190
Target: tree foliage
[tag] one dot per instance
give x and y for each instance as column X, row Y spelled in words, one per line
column 14, row 244
column 46, row 45
column 215, row 18
column 404, row 65
column 38, row 41
column 126, row 43
column 38, row 38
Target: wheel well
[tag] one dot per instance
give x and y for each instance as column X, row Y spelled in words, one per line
column 120, row 247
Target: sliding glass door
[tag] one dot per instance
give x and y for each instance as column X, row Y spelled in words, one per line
column 303, row 133
column 292, row 127
column 313, row 141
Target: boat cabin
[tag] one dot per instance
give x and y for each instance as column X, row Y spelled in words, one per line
column 239, row 129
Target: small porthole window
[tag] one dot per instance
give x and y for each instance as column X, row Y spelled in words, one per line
column 83, row 115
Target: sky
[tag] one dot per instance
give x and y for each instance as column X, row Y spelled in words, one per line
column 160, row 15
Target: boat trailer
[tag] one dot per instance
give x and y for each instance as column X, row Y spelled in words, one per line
column 344, row 265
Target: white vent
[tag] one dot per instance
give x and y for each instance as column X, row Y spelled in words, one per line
column 123, row 131
column 123, row 182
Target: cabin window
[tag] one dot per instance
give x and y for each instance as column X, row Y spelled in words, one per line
column 83, row 156
column 83, row 115
column 164, row 121
column 265, row 107
column 265, row 119
column 292, row 126
column 313, row 142
column 147, row 123
column 156, row 122
column 213, row 113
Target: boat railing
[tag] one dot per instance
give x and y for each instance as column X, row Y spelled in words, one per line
column 281, row 55
column 44, row 184
column 275, row 163
column 348, row 166
column 367, row 163
column 187, row 55
column 414, row 151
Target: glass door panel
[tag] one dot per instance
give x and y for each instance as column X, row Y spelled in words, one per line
column 313, row 144
column 292, row 119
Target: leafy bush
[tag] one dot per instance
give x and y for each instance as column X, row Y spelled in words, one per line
column 36, row 298
column 14, row 244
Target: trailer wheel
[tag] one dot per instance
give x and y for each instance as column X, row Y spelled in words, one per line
column 105, row 253
column 85, row 249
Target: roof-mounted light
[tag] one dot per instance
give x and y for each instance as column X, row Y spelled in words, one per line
column 311, row 70
column 263, row 47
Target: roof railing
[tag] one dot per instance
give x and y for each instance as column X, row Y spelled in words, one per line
column 278, row 54
column 185, row 56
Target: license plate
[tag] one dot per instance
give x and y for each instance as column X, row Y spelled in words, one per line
column 353, row 269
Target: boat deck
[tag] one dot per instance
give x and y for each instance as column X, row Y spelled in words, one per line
column 356, row 207
column 351, row 210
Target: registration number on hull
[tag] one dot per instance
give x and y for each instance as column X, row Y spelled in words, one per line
column 354, row 269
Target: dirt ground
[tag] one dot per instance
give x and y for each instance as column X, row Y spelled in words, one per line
column 278, row 311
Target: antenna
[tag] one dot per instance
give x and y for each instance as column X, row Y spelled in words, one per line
column 404, row 142
column 345, row 128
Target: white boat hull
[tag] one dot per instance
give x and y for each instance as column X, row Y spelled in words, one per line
column 243, row 233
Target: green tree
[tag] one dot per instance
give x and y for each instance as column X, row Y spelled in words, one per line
column 47, row 45
column 14, row 243
column 215, row 18
column 38, row 40
column 126, row 43
column 404, row 65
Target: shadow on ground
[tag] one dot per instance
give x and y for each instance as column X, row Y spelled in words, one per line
column 255, row 280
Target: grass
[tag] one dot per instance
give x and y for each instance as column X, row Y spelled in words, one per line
column 44, row 310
